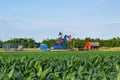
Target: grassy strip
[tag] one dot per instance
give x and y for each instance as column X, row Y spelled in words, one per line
column 82, row 54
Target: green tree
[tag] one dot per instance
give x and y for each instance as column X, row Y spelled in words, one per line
column 49, row 42
column 1, row 42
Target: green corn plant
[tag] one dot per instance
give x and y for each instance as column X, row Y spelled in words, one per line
column 118, row 70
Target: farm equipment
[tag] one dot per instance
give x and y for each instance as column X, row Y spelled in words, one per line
column 18, row 47
column 9, row 47
column 62, row 42
column 92, row 45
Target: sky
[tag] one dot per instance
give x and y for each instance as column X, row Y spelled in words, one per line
column 44, row 19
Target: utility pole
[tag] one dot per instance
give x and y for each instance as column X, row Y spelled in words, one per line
column 28, row 44
column 73, row 40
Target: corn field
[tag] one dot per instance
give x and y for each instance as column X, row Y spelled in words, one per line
column 60, row 68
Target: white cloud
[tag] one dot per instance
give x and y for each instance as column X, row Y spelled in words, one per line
column 14, row 22
column 8, row 18
column 42, row 29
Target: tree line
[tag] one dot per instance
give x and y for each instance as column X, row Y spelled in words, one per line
column 75, row 42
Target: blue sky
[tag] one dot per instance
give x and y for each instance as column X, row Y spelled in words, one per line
column 42, row 19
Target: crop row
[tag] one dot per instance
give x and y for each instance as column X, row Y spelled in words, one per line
column 69, row 68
